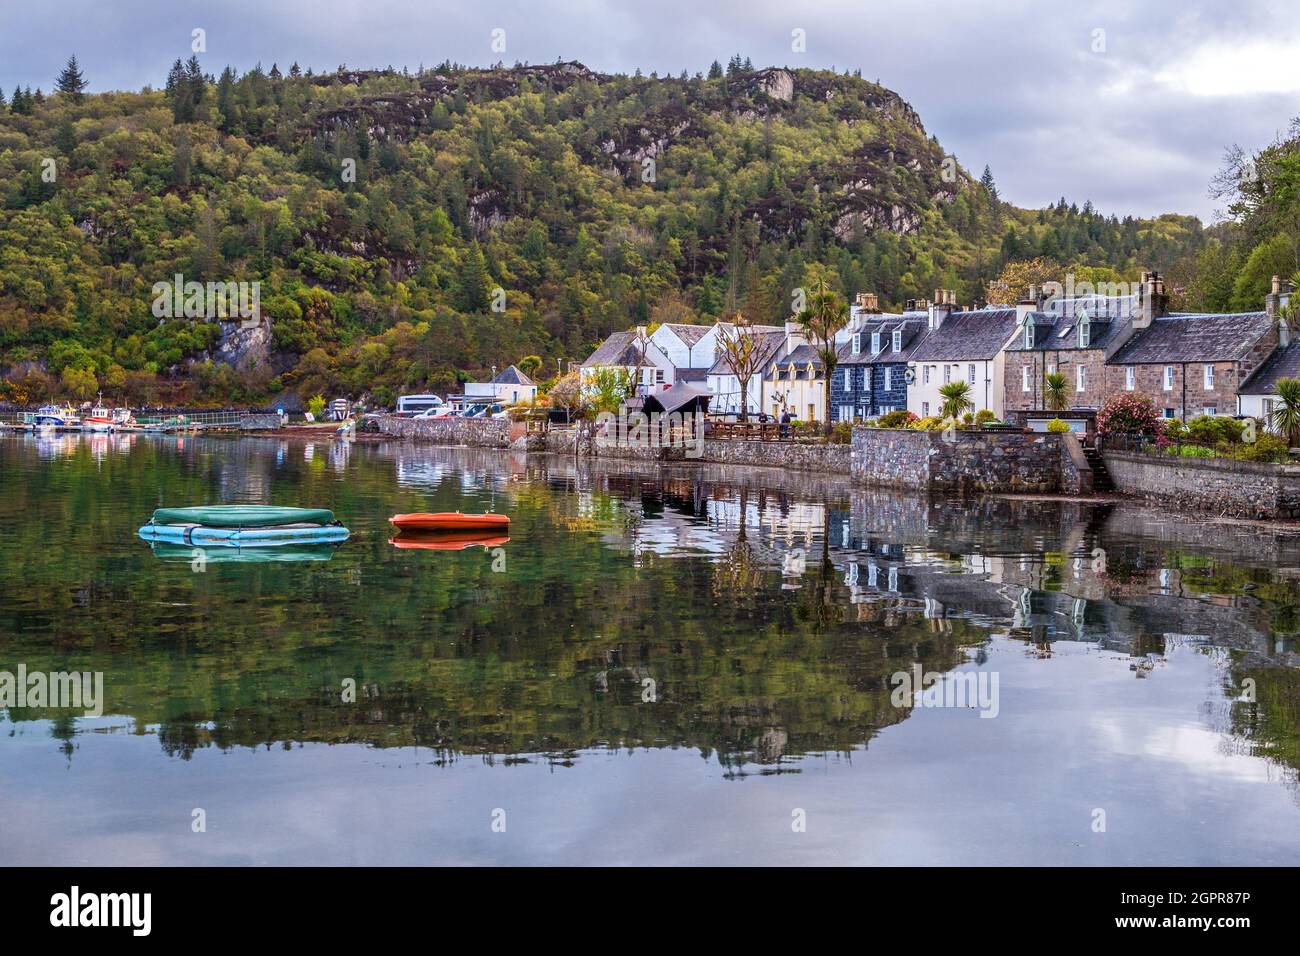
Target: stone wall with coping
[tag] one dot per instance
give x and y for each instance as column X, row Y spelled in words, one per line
column 476, row 432
column 961, row 461
column 1239, row 489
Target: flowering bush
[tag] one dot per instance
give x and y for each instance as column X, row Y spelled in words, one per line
column 1057, row 427
column 898, row 419
column 1129, row 415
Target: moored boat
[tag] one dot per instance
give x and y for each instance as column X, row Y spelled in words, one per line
column 244, row 525
column 57, row 416
column 450, row 521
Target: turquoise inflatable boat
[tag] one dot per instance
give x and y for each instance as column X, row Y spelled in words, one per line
column 244, row 526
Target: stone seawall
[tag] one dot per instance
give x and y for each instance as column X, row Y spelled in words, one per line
column 1239, row 489
column 965, row 462
column 476, row 432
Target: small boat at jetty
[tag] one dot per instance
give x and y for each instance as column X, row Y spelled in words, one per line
column 59, row 416
column 244, row 526
column 447, row 540
column 450, row 521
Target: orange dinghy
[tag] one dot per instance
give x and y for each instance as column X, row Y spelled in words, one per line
column 450, row 521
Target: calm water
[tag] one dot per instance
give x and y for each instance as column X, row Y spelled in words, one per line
column 660, row 666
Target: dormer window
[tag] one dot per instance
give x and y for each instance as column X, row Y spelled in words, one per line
column 1029, row 334
column 857, row 342
column 1085, row 331
column 898, row 340
column 875, row 343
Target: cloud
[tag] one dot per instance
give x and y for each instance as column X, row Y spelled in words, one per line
column 1127, row 105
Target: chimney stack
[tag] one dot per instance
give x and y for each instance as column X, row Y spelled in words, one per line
column 868, row 302
column 1152, row 302
column 945, row 303
column 1277, row 299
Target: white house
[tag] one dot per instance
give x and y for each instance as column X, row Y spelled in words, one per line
column 961, row 346
column 632, row 352
column 720, row 379
column 687, row 346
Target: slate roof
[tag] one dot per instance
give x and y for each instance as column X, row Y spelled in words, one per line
column 1209, row 337
column 801, row 356
column 690, row 334
column 914, row 329
column 977, row 335
column 512, row 376
column 620, row 349
column 691, row 374
column 1057, row 332
column 1283, row 363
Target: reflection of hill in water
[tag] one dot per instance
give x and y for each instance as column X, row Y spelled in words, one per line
column 618, row 574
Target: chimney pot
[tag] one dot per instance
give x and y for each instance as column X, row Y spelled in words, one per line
column 1277, row 285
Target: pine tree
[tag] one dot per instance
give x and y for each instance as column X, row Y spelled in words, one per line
column 295, row 70
column 473, row 293
column 2, row 101
column 71, row 82
column 715, row 70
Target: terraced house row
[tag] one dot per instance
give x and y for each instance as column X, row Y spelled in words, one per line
column 1189, row 364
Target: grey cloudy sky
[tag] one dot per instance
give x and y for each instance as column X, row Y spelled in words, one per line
column 1135, row 118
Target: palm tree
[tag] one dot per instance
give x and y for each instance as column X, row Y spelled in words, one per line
column 956, row 399
column 1056, row 392
column 1285, row 417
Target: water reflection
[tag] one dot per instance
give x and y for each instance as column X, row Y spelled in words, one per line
column 754, row 617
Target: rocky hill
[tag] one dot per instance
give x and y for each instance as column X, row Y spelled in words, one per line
column 405, row 228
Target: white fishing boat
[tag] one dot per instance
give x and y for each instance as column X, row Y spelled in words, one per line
column 104, row 419
column 59, row 416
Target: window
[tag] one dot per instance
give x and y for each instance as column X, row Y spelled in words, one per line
column 1211, row 410
column 898, row 340
column 866, row 378
column 947, row 374
column 1080, row 378
column 1169, row 378
column 659, row 376
column 1209, row 378
column 1129, row 378
column 1169, row 413
column 970, row 374
column 857, row 342
column 925, row 409
column 1024, row 378
column 875, row 343
column 925, row 374
column 1085, row 333
column 1051, row 370
column 888, row 378
column 1029, row 334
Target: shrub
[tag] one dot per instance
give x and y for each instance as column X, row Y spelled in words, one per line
column 1267, row 447
column 1214, row 430
column 1174, row 429
column 1128, row 414
column 899, row 419
column 841, row 433
column 930, row 424
column 968, row 419
column 316, row 405
column 984, row 416
column 1057, row 427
